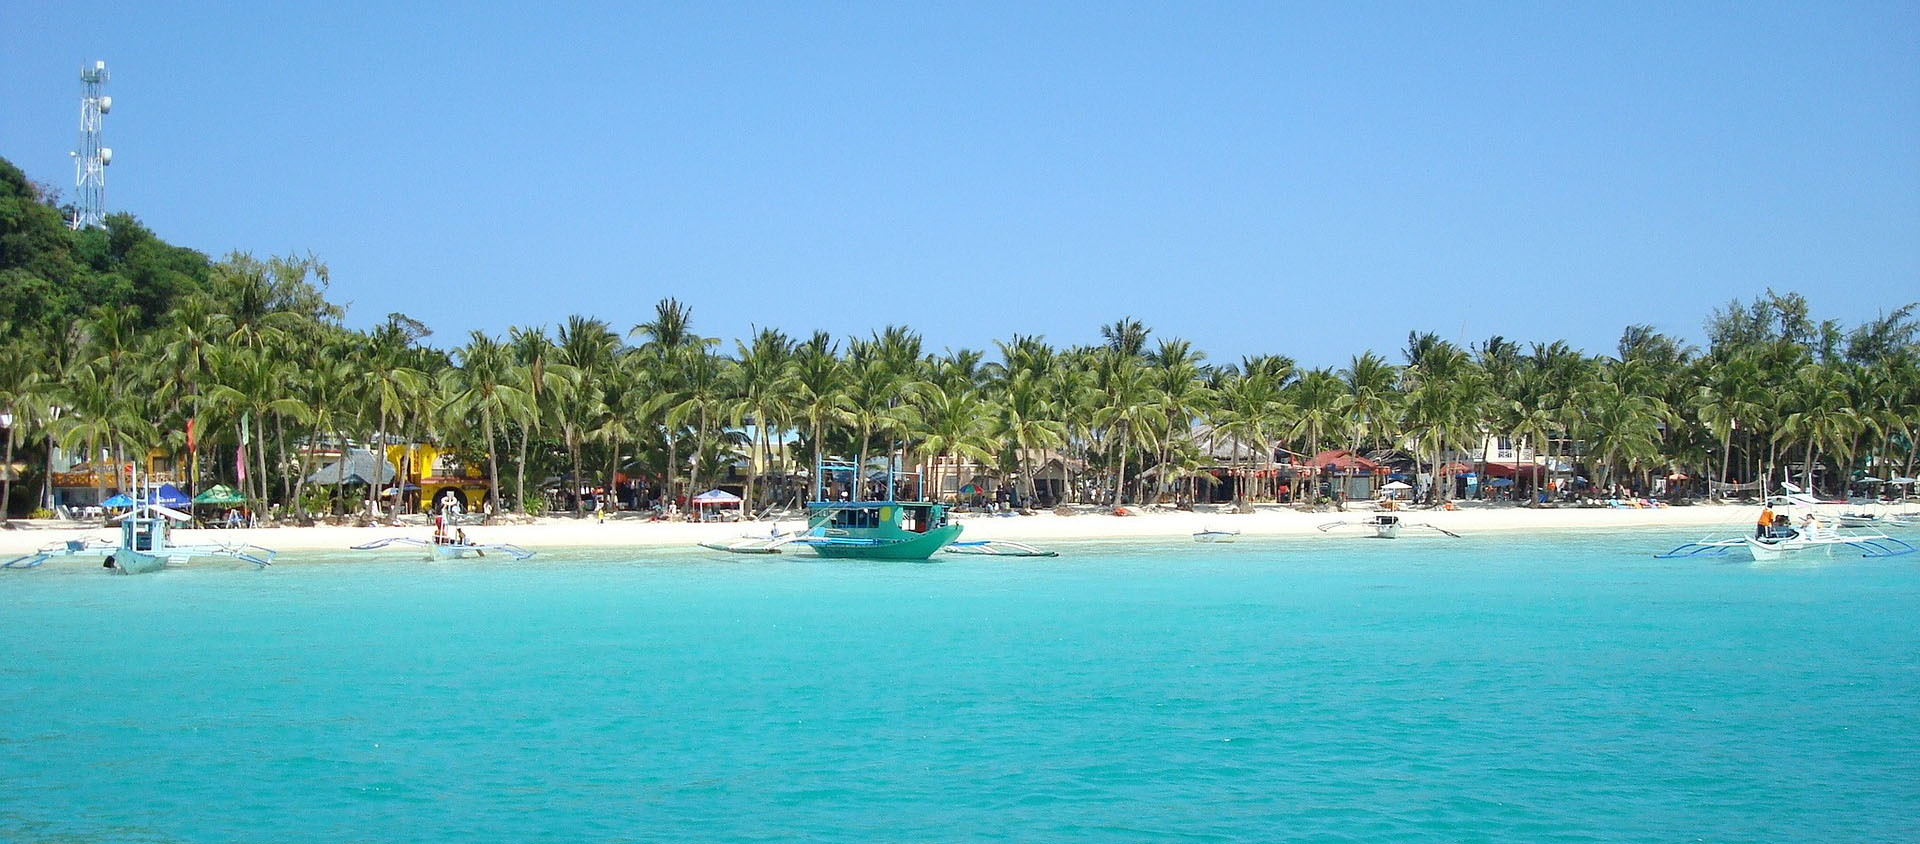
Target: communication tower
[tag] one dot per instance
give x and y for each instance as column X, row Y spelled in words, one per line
column 91, row 160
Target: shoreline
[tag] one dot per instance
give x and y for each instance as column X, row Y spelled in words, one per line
column 630, row 531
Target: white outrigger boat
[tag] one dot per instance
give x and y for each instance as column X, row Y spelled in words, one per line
column 1386, row 526
column 447, row 548
column 998, row 548
column 1781, row 543
column 1878, row 520
column 1215, row 535
column 146, row 544
column 750, row 543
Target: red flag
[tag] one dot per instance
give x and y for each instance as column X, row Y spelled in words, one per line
column 190, row 446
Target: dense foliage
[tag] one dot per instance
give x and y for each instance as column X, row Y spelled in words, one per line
column 115, row 340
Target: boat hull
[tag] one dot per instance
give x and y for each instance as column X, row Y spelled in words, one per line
column 129, row 561
column 1767, row 552
column 1391, row 531
column 919, row 546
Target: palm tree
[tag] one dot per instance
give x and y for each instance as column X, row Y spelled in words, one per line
column 766, row 385
column 669, row 340
column 1368, row 404
column 820, row 393
column 587, row 346
column 1022, row 420
column 953, row 417
column 483, row 383
column 545, row 382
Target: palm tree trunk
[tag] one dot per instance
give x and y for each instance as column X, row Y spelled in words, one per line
column 520, row 483
column 573, row 447
column 6, row 486
column 1120, row 472
column 673, row 466
column 260, row 428
column 280, row 452
column 493, row 458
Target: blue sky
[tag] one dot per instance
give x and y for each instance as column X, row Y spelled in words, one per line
column 1303, row 179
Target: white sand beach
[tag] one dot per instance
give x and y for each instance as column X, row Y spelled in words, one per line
column 632, row 531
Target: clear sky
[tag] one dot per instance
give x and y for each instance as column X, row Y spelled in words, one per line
column 1309, row 179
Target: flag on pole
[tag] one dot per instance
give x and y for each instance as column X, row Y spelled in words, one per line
column 240, row 461
column 190, row 444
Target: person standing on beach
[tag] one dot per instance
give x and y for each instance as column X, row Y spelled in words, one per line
column 1766, row 521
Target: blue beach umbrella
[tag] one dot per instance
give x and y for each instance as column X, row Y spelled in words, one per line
column 168, row 495
column 120, row 500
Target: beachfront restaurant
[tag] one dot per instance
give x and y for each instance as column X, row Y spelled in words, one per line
column 77, row 483
column 1341, row 473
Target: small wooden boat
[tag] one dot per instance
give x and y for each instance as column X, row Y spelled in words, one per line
column 1215, row 535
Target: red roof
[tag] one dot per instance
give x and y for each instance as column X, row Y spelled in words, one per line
column 1341, row 460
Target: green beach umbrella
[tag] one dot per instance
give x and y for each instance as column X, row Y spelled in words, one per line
column 219, row 494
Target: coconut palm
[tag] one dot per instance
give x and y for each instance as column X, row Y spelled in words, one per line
column 587, row 346
column 482, row 383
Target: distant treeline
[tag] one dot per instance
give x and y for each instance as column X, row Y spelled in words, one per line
column 115, row 340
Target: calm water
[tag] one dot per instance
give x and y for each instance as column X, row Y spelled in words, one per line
column 1486, row 689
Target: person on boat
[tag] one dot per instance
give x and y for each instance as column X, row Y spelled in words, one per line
column 440, row 530
column 459, row 536
column 1811, row 525
column 1761, row 530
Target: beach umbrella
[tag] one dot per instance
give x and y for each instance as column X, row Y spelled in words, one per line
column 1500, row 482
column 1396, row 485
column 169, row 495
column 120, row 500
column 219, row 494
column 1902, row 481
column 716, row 496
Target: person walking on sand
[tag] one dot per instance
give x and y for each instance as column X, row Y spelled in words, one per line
column 1766, row 522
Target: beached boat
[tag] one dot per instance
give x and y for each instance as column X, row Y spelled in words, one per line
column 445, row 548
column 1215, row 535
column 1387, row 526
column 146, row 544
column 873, row 530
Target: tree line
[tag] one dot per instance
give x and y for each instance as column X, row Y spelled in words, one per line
column 116, row 343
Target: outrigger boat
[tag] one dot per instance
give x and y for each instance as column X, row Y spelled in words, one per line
column 752, row 544
column 1862, row 519
column 998, row 548
column 146, row 544
column 1386, row 526
column 58, row 549
column 873, row 530
column 1779, row 543
column 1215, row 535
column 447, row 548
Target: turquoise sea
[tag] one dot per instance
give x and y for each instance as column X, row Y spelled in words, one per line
column 1494, row 688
